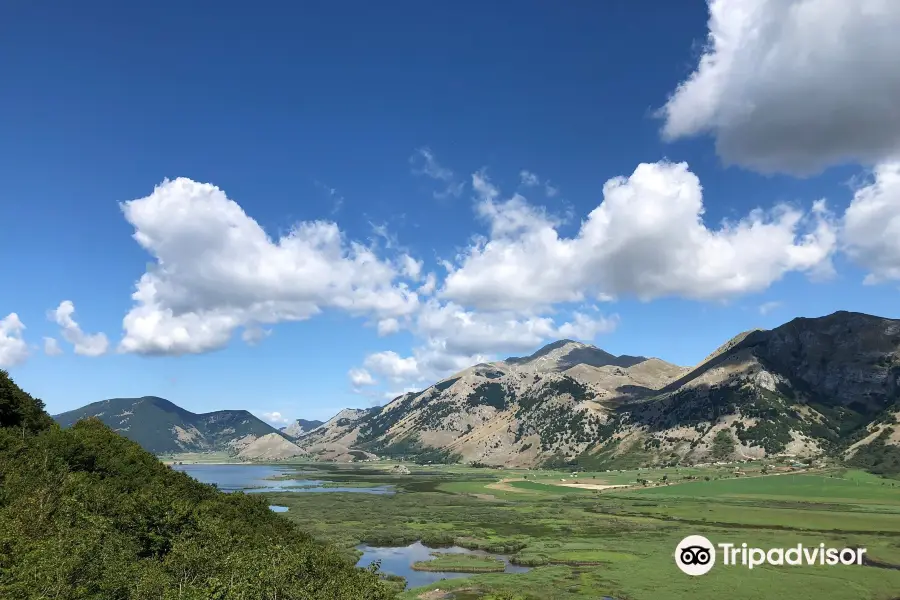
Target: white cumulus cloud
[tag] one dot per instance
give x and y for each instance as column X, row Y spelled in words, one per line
column 647, row 239
column 795, row 85
column 392, row 365
column 388, row 326
column 85, row 344
column 871, row 231
column 452, row 338
column 13, row 349
column 470, row 332
column 217, row 270
column 360, row 377
column 275, row 418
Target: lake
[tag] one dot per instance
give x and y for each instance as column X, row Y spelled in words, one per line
column 259, row 479
column 399, row 561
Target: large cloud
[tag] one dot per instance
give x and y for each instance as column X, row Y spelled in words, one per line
column 795, row 85
column 217, row 270
column 646, row 239
column 452, row 338
column 13, row 349
column 469, row 332
column 871, row 232
column 85, row 344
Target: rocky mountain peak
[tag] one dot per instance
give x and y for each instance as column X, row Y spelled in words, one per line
column 565, row 354
column 300, row 427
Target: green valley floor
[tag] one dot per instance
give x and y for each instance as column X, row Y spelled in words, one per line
column 596, row 541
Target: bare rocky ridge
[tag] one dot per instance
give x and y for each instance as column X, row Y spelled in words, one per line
column 334, row 439
column 299, row 427
column 269, row 447
column 804, row 388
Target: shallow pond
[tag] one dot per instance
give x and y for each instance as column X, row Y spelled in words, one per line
column 259, row 478
column 399, row 561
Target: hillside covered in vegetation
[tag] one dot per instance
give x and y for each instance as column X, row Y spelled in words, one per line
column 162, row 427
column 87, row 513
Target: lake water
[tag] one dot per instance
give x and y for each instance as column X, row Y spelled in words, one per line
column 256, row 479
column 399, row 561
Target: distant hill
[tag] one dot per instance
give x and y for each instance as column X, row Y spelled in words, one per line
column 269, row 447
column 162, row 427
column 811, row 387
column 334, row 439
column 299, row 427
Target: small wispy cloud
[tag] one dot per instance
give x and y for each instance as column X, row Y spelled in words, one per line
column 424, row 163
column 337, row 200
column 51, row 347
column 254, row 334
column 530, row 179
column 768, row 307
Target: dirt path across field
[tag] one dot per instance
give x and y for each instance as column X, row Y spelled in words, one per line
column 591, row 486
column 503, row 484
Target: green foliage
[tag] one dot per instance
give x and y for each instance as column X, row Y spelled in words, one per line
column 411, row 447
column 878, row 456
column 489, row 393
column 86, row 513
column 444, row 385
column 405, row 447
column 432, row 415
column 376, row 423
column 19, row 410
column 772, row 435
column 438, row 456
column 557, row 423
column 557, row 462
column 723, row 444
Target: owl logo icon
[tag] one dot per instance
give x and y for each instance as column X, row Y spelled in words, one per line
column 695, row 555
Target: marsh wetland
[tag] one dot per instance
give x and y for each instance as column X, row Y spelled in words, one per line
column 530, row 535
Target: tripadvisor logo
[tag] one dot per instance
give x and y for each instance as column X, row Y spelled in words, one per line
column 696, row 555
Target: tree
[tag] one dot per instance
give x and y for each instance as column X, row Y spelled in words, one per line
column 723, row 444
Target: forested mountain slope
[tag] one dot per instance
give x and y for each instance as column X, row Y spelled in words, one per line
column 163, row 427
column 87, row 513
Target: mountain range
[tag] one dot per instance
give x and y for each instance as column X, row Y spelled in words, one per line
column 811, row 387
column 162, row 427
column 828, row 385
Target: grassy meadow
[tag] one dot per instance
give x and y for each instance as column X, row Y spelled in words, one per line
column 617, row 542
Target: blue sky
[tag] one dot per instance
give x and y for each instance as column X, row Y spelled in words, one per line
column 459, row 141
